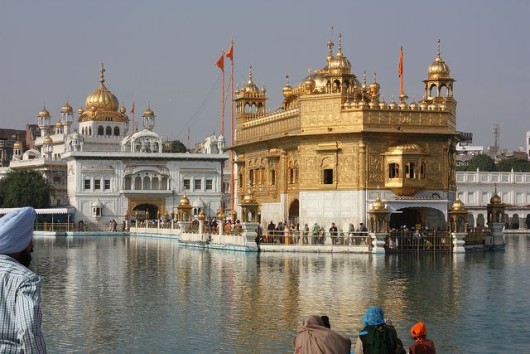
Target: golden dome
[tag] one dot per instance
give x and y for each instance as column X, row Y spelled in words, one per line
column 17, row 145
column 184, row 201
column 80, row 110
column 495, row 199
column 202, row 216
column 378, row 205
column 67, row 108
column 287, row 88
column 339, row 64
column 149, row 112
column 250, row 86
column 101, row 98
column 458, row 205
column 59, row 124
column 44, row 113
column 374, row 87
column 47, row 140
column 438, row 69
column 309, row 84
column 248, row 198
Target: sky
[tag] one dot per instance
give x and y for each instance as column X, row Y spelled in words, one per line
column 163, row 54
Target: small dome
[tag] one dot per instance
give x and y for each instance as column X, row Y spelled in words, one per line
column 67, row 108
column 393, row 104
column 248, row 199
column 44, row 113
column 309, row 84
column 59, row 124
column 250, row 86
column 47, row 140
column 80, row 110
column 438, row 69
column 148, row 112
column 378, row 205
column 495, row 199
column 374, row 88
column 17, row 145
column 184, row 201
column 339, row 65
column 458, row 205
column 202, row 216
column 123, row 110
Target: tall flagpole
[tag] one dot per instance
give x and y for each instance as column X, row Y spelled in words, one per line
column 402, row 95
column 230, row 55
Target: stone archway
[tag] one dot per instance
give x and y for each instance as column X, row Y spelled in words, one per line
column 145, row 211
column 414, row 216
column 294, row 212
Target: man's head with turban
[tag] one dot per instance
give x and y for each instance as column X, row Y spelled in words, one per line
column 16, row 230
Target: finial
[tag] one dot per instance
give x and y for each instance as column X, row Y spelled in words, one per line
column 102, row 76
column 287, row 80
column 250, row 74
column 495, row 188
column 364, row 78
column 375, row 77
column 438, row 49
column 340, row 44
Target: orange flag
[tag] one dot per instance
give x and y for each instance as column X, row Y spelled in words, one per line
column 132, row 109
column 221, row 62
column 230, row 53
column 400, row 65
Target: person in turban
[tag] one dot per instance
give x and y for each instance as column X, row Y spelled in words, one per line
column 20, row 314
column 422, row 345
column 314, row 338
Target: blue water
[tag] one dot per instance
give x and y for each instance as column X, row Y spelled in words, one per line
column 120, row 294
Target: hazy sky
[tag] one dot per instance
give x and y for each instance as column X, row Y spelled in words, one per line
column 163, row 53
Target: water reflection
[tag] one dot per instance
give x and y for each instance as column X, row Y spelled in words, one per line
column 124, row 294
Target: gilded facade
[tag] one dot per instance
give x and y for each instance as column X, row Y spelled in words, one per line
column 335, row 145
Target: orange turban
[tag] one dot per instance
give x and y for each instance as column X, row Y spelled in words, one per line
column 418, row 330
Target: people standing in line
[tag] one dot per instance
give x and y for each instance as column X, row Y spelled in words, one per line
column 20, row 312
column 321, row 235
column 314, row 337
column 238, row 228
column 351, row 234
column 377, row 336
column 422, row 345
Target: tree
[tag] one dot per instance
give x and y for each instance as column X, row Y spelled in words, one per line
column 482, row 162
column 25, row 188
column 514, row 163
column 178, row 146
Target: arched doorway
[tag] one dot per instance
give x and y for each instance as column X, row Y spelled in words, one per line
column 145, row 211
column 418, row 216
column 294, row 212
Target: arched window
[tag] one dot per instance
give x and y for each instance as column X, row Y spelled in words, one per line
column 116, row 131
column 393, row 170
column 101, row 131
column 127, row 183
column 273, row 177
column 108, row 131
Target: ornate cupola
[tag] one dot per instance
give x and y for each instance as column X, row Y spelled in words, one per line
column 149, row 118
column 43, row 121
column 439, row 84
column 250, row 101
column 67, row 117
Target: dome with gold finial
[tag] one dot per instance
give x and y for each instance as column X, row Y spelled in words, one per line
column 44, row 113
column 202, row 216
column 67, row 108
column 250, row 86
column 59, row 124
column 17, row 145
column 287, row 88
column 101, row 98
column 184, row 201
column 339, row 64
column 374, row 87
column 438, row 69
column 378, row 205
column 148, row 112
column 495, row 199
column 458, row 205
column 47, row 140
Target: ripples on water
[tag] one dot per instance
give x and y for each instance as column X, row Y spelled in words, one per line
column 104, row 294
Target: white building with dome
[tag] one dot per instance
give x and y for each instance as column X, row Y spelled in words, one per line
column 108, row 173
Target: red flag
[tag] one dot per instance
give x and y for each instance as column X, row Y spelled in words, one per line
column 230, row 53
column 221, row 62
column 400, row 65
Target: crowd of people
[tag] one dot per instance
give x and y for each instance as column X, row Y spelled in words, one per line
column 378, row 336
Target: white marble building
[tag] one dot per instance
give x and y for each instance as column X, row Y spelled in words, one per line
column 107, row 173
column 475, row 189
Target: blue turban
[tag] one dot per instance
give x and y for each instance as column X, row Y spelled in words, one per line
column 374, row 317
column 16, row 230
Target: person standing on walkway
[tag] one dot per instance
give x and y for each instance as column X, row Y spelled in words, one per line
column 422, row 345
column 20, row 313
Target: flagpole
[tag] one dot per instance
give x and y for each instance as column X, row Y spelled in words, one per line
column 223, row 100
column 132, row 113
column 232, row 132
column 402, row 95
